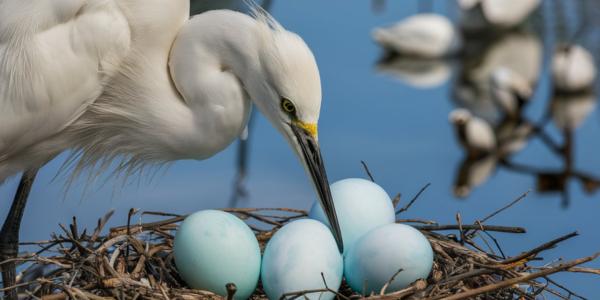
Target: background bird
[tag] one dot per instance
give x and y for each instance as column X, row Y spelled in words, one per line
column 474, row 134
column 137, row 82
column 510, row 91
column 423, row 35
column 519, row 52
column 498, row 14
column 573, row 68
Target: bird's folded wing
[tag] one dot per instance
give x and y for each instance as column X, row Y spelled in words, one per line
column 55, row 57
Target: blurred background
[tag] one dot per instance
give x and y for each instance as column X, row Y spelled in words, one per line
column 485, row 101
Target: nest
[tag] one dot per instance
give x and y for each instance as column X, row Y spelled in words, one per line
column 135, row 261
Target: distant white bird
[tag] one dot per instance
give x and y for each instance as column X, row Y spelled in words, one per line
column 136, row 80
column 485, row 147
column 423, row 35
column 519, row 52
column 573, row 68
column 479, row 14
column 510, row 90
column 475, row 134
column 508, row 138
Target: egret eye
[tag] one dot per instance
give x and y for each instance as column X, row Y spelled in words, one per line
column 288, row 106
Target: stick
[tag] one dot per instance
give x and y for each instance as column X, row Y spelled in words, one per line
column 508, row 229
column 405, row 208
column 540, row 248
column 367, row 170
column 521, row 279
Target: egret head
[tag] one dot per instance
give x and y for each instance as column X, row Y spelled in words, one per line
column 288, row 93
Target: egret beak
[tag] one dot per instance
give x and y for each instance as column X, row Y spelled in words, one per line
column 311, row 156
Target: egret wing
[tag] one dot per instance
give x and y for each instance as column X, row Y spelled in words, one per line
column 55, row 57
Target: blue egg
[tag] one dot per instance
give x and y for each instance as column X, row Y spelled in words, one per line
column 296, row 256
column 379, row 254
column 361, row 206
column 213, row 248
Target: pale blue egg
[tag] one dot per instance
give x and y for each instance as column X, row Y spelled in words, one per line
column 379, row 254
column 213, row 248
column 296, row 256
column 361, row 206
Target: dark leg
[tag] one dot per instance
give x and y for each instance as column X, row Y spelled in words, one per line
column 9, row 236
column 239, row 188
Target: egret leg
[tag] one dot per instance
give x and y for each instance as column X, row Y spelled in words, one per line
column 239, row 188
column 9, row 235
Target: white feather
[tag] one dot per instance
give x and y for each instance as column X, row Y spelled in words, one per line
column 423, row 35
column 475, row 133
column 573, row 68
column 479, row 14
column 178, row 88
column 55, row 58
column 508, row 88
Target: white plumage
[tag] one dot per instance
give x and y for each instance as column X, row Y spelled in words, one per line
column 573, row 68
column 136, row 81
column 475, row 134
column 519, row 52
column 510, row 90
column 55, row 59
column 104, row 80
column 479, row 14
column 423, row 35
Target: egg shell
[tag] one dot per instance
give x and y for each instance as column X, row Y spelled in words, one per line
column 296, row 256
column 361, row 205
column 379, row 254
column 213, row 248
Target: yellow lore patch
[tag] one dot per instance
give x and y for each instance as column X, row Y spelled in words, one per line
column 311, row 128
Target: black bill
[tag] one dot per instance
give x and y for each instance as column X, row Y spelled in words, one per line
column 312, row 156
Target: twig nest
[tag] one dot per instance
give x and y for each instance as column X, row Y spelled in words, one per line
column 214, row 248
column 394, row 256
column 295, row 258
column 573, row 69
column 422, row 35
column 361, row 206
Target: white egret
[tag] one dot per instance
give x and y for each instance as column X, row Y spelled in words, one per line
column 479, row 14
column 475, row 134
column 510, row 91
column 573, row 68
column 424, row 35
column 136, row 80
